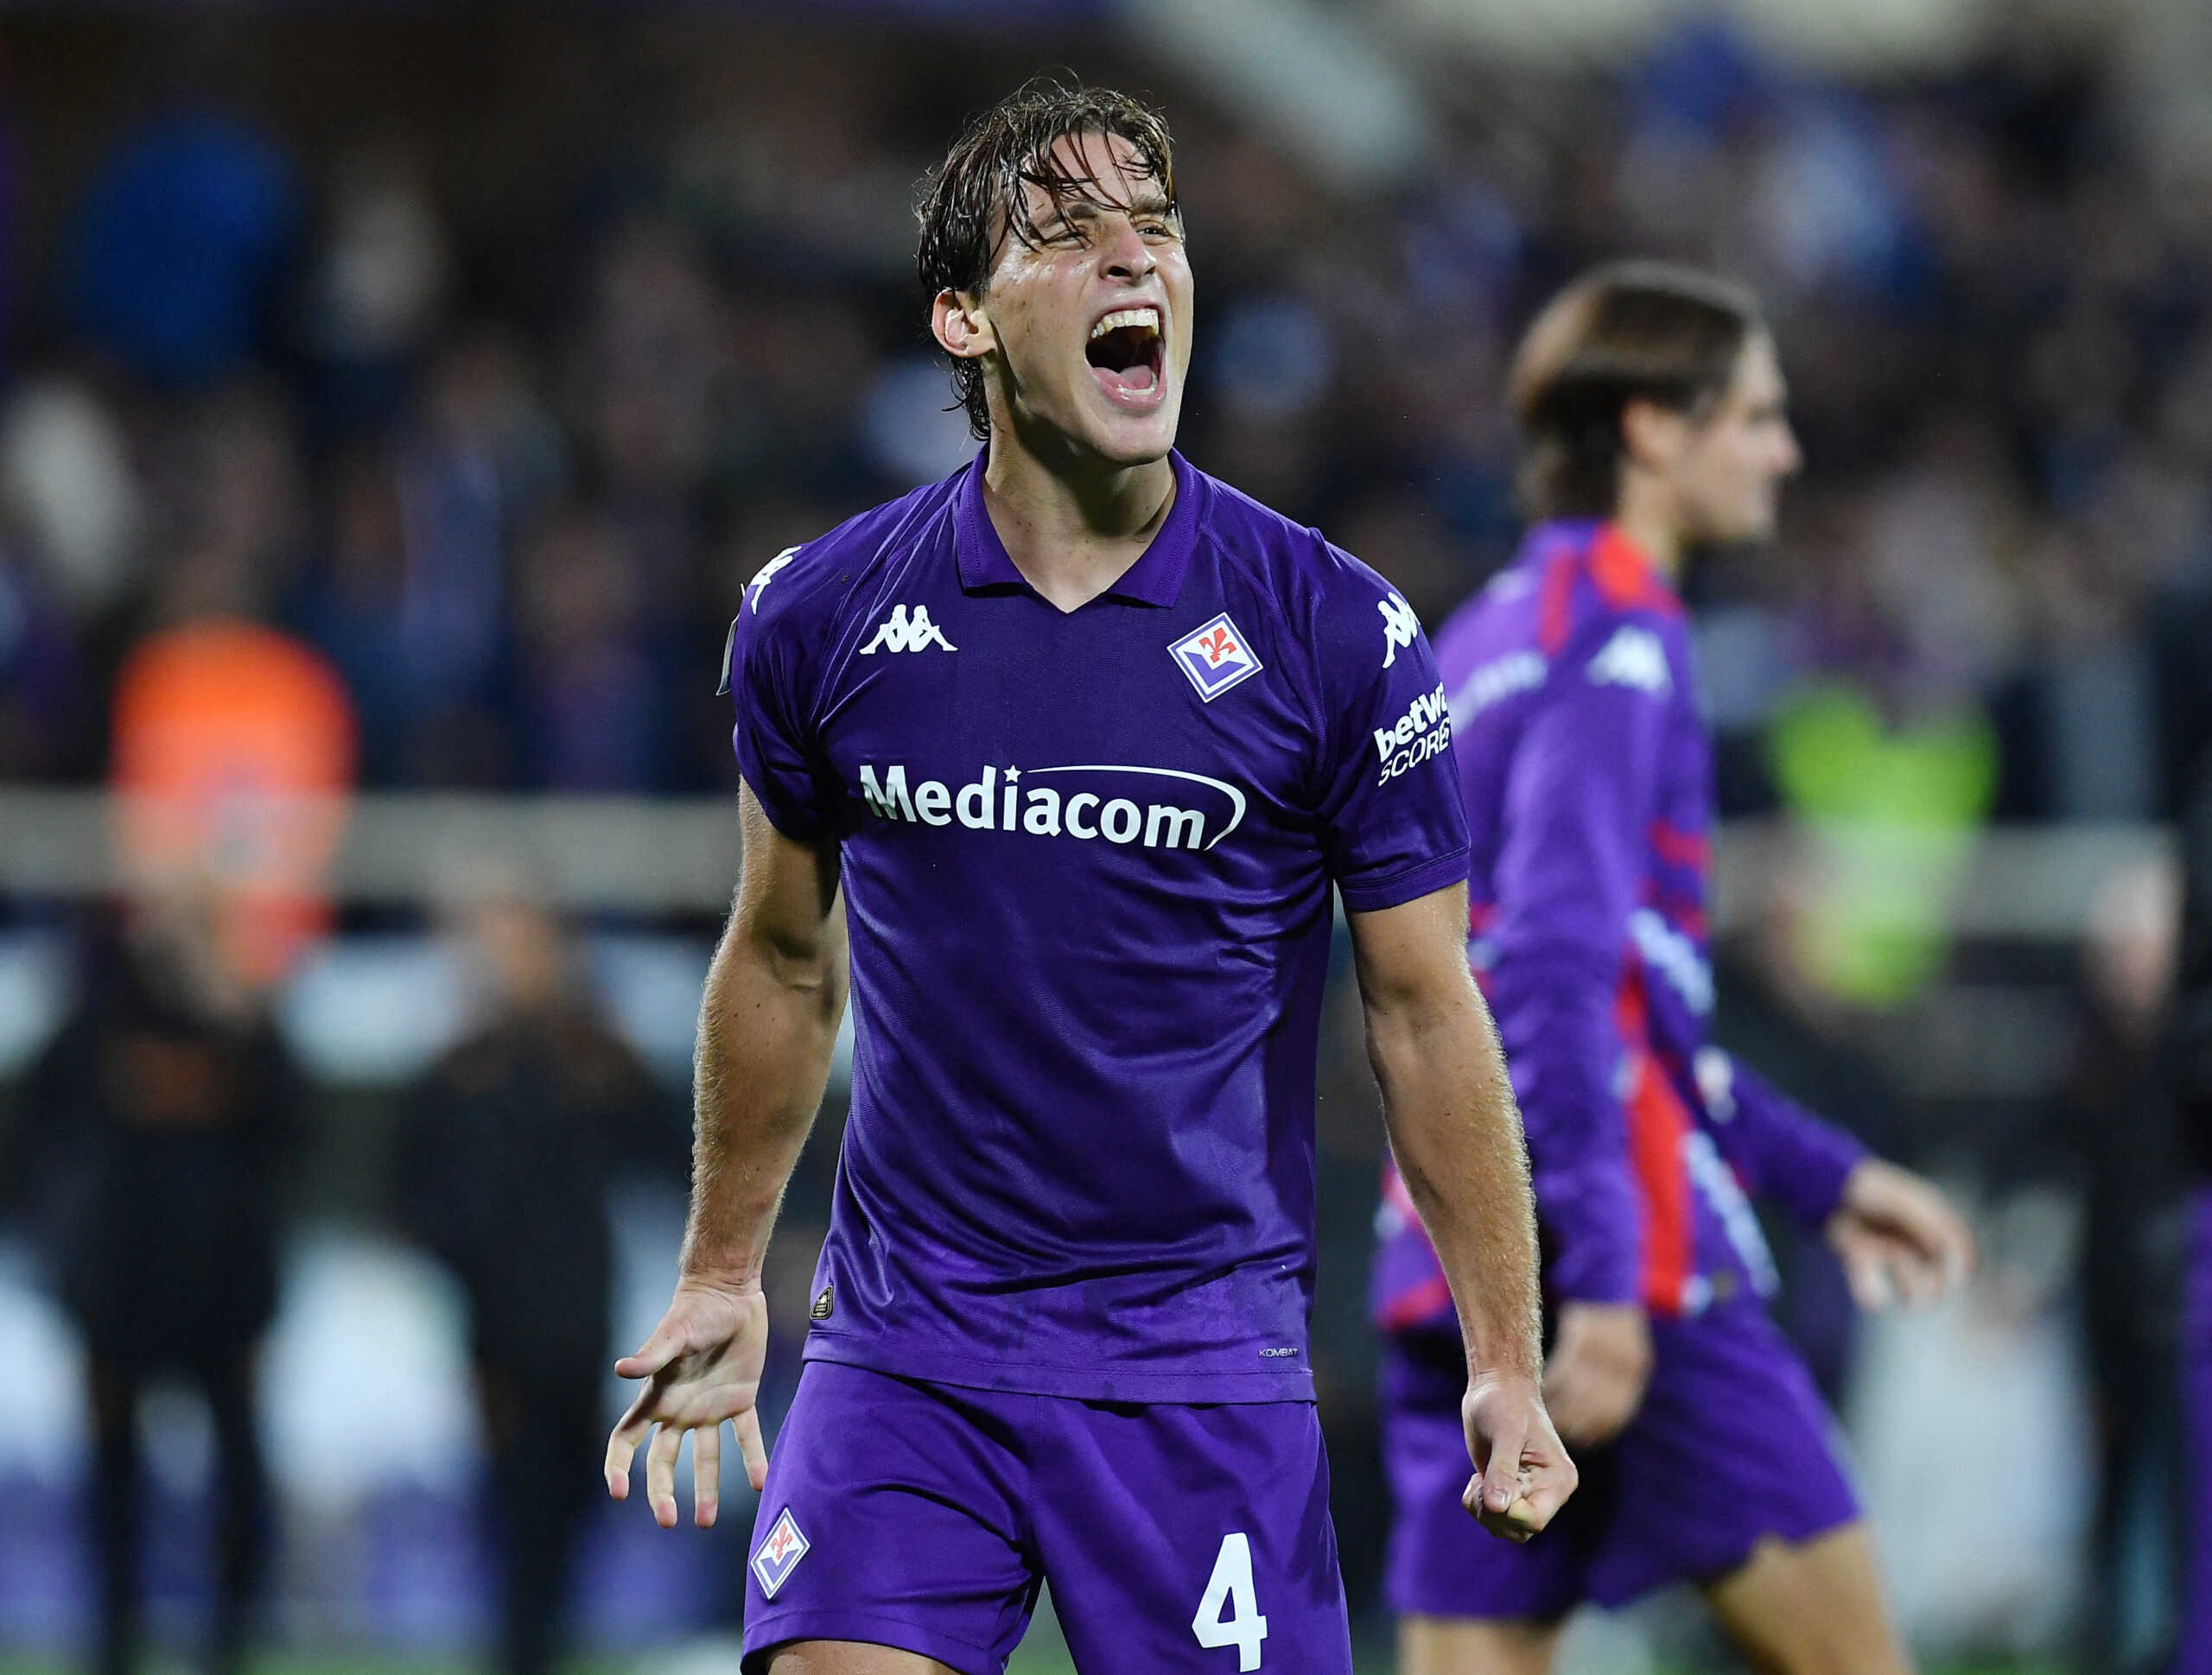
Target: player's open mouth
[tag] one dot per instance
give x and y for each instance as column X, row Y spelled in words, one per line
column 1125, row 355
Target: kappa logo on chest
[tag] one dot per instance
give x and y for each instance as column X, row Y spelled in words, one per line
column 1215, row 657
column 900, row 631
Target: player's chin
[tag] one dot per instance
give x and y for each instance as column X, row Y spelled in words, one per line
column 1130, row 435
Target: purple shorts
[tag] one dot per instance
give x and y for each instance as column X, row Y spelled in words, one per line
column 925, row 1516
column 1732, row 1445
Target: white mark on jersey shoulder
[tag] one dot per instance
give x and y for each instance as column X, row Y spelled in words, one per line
column 1633, row 657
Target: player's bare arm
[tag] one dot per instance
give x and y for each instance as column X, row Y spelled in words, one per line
column 767, row 1025
column 1456, row 1133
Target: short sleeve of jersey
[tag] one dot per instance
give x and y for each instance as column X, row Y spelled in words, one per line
column 1394, row 827
column 772, row 735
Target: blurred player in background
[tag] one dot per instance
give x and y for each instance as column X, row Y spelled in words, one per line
column 1653, row 413
column 511, row 1145
column 1081, row 738
column 157, row 1123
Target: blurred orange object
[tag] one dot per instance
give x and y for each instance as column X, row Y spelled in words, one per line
column 234, row 757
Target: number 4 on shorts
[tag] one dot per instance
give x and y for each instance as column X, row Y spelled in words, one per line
column 1230, row 1613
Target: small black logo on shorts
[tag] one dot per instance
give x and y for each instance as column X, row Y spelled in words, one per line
column 824, row 1303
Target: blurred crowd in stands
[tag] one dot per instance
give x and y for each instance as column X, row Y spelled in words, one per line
column 499, row 393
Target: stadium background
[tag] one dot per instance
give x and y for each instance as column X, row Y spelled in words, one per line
column 489, row 354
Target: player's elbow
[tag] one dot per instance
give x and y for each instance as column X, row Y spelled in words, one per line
column 762, row 962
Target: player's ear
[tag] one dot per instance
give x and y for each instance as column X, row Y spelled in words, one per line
column 1651, row 435
column 962, row 325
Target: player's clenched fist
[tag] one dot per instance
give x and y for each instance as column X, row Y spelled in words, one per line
column 1522, row 1476
column 702, row 1365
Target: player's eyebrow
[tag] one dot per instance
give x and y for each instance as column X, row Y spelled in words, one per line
column 1144, row 204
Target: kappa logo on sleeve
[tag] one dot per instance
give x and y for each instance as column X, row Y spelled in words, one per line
column 1400, row 625
column 766, row 574
column 778, row 1556
column 901, row 632
column 1215, row 657
column 1632, row 657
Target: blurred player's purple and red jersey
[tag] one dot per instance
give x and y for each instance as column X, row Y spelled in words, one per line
column 1086, row 858
column 1587, row 777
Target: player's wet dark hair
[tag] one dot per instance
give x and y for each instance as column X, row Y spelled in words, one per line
column 977, row 197
column 1630, row 331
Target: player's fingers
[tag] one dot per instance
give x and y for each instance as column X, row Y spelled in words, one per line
column 754, row 1451
column 660, row 1475
column 1922, row 1279
column 705, row 1474
column 1502, row 1475
column 655, row 1352
column 1549, row 1485
column 1868, row 1277
column 619, row 1449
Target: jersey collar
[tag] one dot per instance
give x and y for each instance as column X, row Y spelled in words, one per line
column 1618, row 567
column 1156, row 578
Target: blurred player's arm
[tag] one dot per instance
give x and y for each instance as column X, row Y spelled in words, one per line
column 1457, row 1137
column 1579, row 804
column 767, row 1027
column 1897, row 1235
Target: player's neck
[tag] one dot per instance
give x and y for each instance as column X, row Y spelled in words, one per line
column 1072, row 531
column 1654, row 531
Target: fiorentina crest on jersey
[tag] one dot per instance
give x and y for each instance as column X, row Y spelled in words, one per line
column 778, row 1556
column 1215, row 657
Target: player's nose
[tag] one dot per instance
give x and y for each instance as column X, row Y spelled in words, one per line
column 1124, row 255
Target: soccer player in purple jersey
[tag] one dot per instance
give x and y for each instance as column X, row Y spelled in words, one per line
column 1070, row 749
column 1653, row 412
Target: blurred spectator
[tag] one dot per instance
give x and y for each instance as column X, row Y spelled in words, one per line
column 593, row 695
column 67, row 482
column 511, row 1146
column 379, row 277
column 155, row 1128
column 233, row 756
column 2118, row 1129
column 183, row 246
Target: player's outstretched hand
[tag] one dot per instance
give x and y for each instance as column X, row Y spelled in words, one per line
column 702, row 1365
column 1594, row 1378
column 1522, row 1476
column 1898, row 1237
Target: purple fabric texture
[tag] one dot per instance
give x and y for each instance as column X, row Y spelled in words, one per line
column 1087, row 859
column 1730, row 1445
column 924, row 1517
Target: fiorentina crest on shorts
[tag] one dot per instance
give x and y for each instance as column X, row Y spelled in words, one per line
column 778, row 1556
column 1215, row 657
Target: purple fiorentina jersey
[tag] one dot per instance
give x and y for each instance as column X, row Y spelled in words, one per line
column 1087, row 858
column 1588, row 775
